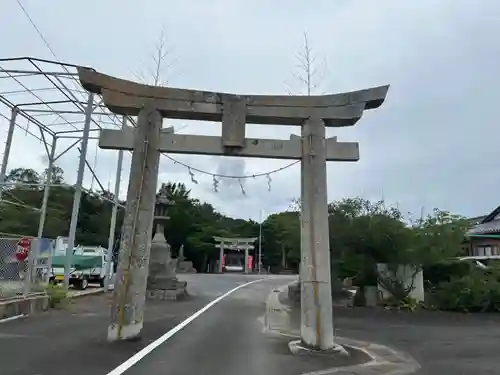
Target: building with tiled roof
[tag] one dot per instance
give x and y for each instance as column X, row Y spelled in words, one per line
column 484, row 235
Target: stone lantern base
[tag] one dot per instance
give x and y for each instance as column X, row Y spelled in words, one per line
column 185, row 266
column 177, row 290
column 162, row 282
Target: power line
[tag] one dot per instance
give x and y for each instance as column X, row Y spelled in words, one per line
column 36, row 29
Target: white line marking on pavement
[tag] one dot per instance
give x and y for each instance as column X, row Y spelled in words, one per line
column 148, row 349
column 10, row 318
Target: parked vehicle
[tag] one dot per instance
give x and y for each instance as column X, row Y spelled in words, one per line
column 233, row 268
column 60, row 245
column 88, row 265
column 482, row 261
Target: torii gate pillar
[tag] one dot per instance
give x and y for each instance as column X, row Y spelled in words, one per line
column 316, row 298
column 128, row 303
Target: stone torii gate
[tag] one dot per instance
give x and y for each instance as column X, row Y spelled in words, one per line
column 151, row 104
column 235, row 243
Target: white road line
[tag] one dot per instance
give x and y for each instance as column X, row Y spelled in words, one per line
column 148, row 349
column 10, row 318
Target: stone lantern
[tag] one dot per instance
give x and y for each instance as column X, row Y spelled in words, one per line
column 162, row 280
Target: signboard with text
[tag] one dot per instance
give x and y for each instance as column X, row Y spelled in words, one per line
column 22, row 249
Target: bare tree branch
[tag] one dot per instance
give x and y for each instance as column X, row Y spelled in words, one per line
column 309, row 75
column 160, row 64
column 310, row 70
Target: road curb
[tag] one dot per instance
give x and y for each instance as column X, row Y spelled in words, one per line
column 83, row 293
column 384, row 360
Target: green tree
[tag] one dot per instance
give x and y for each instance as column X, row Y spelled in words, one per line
column 362, row 234
column 281, row 240
column 57, row 176
column 439, row 236
column 180, row 213
column 23, row 175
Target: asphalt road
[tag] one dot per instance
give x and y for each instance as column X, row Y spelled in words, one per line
column 225, row 339
column 228, row 339
column 443, row 343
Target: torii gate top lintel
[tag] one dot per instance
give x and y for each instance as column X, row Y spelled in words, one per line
column 236, row 239
column 128, row 98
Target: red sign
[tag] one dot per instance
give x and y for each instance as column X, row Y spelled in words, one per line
column 250, row 262
column 23, row 248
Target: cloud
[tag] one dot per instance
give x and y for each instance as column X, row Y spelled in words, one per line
column 432, row 144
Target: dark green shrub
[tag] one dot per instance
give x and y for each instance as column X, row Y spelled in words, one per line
column 359, row 297
column 479, row 291
column 360, row 270
column 438, row 273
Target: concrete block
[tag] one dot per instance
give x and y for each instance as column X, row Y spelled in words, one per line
column 171, row 294
column 406, row 274
column 156, row 294
column 23, row 305
column 167, row 294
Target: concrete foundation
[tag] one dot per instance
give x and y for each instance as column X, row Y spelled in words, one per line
column 408, row 276
column 125, row 331
column 185, row 266
column 178, row 292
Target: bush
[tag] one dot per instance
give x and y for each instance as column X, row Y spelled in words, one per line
column 405, row 304
column 479, row 291
column 58, row 296
column 360, row 270
column 438, row 273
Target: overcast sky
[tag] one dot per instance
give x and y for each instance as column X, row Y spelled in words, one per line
column 434, row 143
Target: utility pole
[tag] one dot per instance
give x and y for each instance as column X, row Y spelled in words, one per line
column 114, row 213
column 6, row 152
column 259, row 266
column 45, row 202
column 78, row 189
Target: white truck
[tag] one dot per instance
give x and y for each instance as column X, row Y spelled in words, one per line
column 60, row 245
column 88, row 265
